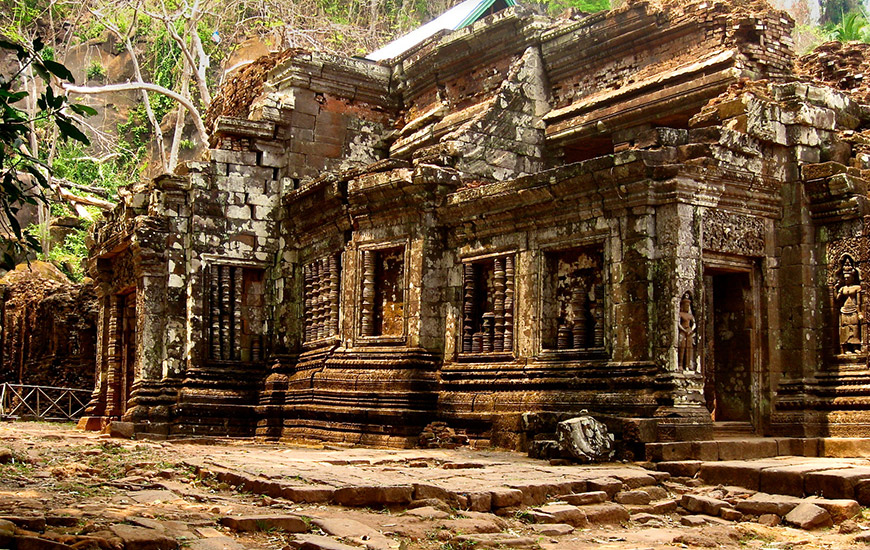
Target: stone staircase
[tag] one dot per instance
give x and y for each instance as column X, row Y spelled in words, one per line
column 731, row 444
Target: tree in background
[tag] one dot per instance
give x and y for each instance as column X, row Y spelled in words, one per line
column 832, row 12
column 24, row 177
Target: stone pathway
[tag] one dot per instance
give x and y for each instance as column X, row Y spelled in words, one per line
column 61, row 489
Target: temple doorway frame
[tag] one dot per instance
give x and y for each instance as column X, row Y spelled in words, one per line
column 722, row 274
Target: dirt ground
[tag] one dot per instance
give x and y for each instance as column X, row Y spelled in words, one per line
column 85, row 485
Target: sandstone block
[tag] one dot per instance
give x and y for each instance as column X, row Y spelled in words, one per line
column 606, row 513
column 373, row 495
column 609, row 485
column 771, row 520
column 680, row 468
column 580, row 499
column 730, row 514
column 655, row 492
column 38, row 543
column 552, row 529
column 699, row 504
column 479, row 502
column 763, row 503
column 835, row 483
column 141, row 538
column 840, row 509
column 494, row 540
column 632, row 497
column 289, row 523
column 564, row 513
column 359, row 532
column 807, row 515
column 320, row 542
column 502, row 498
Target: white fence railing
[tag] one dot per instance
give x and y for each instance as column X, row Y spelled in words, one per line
column 42, row 402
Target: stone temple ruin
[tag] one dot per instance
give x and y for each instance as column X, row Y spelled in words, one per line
column 644, row 213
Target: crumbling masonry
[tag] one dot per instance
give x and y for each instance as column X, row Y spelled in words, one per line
column 643, row 213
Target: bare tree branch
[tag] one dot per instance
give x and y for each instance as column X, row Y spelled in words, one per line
column 145, row 86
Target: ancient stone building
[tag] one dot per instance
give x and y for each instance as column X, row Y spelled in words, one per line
column 644, row 213
column 47, row 328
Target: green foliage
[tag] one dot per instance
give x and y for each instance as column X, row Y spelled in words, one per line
column 23, row 176
column 834, row 12
column 588, row 6
column 96, row 71
column 852, row 26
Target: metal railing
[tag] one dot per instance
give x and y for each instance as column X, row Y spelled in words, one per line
column 42, row 402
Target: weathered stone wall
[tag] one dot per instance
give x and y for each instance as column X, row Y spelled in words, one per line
column 525, row 215
column 48, row 328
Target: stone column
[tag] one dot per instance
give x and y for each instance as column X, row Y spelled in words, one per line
column 367, row 304
column 113, row 355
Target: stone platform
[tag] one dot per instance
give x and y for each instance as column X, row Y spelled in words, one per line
column 494, row 480
column 758, row 447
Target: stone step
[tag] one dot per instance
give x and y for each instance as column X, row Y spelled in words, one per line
column 758, row 447
column 732, row 430
column 789, row 478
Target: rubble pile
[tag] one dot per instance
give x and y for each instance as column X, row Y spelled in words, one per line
column 49, row 328
column 840, row 65
column 240, row 91
column 438, row 435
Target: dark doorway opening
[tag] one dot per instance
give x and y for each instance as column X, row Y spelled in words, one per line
column 728, row 361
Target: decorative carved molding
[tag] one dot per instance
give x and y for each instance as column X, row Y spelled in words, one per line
column 733, row 233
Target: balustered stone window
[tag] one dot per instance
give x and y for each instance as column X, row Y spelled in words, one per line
column 573, row 300
column 322, row 281
column 382, row 308
column 488, row 306
column 236, row 304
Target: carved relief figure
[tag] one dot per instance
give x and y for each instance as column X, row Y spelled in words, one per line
column 686, row 337
column 849, row 298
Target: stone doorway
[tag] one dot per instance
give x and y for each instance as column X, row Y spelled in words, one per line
column 730, row 345
column 123, row 366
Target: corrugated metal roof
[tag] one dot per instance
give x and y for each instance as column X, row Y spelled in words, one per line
column 460, row 15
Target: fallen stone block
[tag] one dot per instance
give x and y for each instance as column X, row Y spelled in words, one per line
column 502, row 498
column 770, row 520
column 356, row 531
column 142, row 538
column 807, row 515
column 606, row 513
column 700, row 504
column 479, row 502
column 840, row 509
column 580, row 499
column 609, row 485
column 214, row 543
column 494, row 540
column 698, row 520
column 428, row 512
column 38, row 543
column 429, row 503
column 564, row 513
column 264, row 522
column 632, row 497
column 763, row 503
column 29, row 522
column 320, row 542
column 730, row 514
column 655, row 492
column 552, row 529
